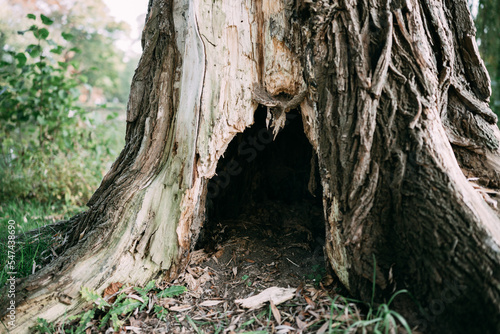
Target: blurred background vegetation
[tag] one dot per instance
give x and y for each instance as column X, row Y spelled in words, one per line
column 486, row 14
column 64, row 85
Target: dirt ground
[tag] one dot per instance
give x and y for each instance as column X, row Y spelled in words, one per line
column 269, row 245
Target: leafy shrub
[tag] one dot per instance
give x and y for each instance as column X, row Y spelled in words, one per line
column 51, row 148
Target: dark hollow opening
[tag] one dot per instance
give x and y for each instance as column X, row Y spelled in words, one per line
column 266, row 195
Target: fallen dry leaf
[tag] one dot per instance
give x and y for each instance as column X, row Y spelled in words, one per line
column 284, row 328
column 136, row 330
column 219, row 253
column 165, row 302
column 316, row 315
column 65, row 299
column 301, row 324
column 208, row 303
column 111, row 290
column 276, row 312
column 309, row 302
column 197, row 257
column 180, row 308
column 136, row 297
column 323, row 328
column 328, row 280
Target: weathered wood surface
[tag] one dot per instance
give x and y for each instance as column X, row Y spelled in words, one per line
column 391, row 93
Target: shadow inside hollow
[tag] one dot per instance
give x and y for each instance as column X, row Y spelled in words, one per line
column 268, row 193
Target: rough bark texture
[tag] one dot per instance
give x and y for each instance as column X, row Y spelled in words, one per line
column 407, row 82
column 392, row 94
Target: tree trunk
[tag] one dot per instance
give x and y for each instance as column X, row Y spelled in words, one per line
column 394, row 100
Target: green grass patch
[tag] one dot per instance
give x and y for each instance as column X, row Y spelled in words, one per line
column 69, row 176
column 25, row 216
column 40, row 188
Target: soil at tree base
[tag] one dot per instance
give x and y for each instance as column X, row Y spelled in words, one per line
column 268, row 245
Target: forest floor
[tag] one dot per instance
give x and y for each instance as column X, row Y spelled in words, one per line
column 271, row 252
column 268, row 249
column 252, row 254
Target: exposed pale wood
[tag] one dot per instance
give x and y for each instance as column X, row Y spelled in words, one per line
column 275, row 295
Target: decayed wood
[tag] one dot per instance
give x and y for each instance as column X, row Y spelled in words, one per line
column 275, row 295
column 392, row 94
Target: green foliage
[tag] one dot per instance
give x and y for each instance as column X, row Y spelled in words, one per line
column 92, row 296
column 378, row 320
column 39, row 92
column 318, row 271
column 46, row 20
column 88, row 26
column 121, row 306
column 245, row 278
column 29, row 216
column 101, row 65
column 160, row 312
column 94, row 32
column 173, row 291
column 50, row 150
column 84, row 319
column 193, row 324
column 42, row 327
column 144, row 291
column 114, row 313
column 53, row 153
column 382, row 319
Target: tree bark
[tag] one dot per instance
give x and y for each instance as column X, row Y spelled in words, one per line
column 394, row 101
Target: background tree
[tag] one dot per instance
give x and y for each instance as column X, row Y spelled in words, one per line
column 488, row 32
column 94, row 32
